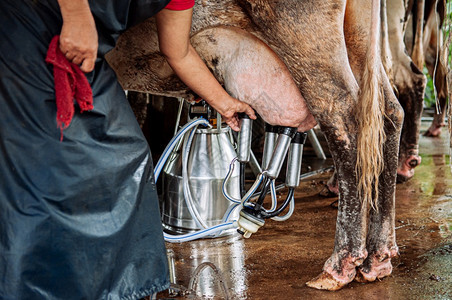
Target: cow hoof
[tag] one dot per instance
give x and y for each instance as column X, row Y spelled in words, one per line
column 402, row 178
column 325, row 281
column 335, row 204
column 429, row 133
column 327, row 192
column 406, row 170
column 434, row 131
column 378, row 270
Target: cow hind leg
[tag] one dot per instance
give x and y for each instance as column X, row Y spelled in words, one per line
column 350, row 240
column 439, row 117
column 381, row 244
column 437, row 68
column 339, row 124
column 411, row 94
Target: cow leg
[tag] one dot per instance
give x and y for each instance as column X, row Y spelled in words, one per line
column 381, row 243
column 340, row 129
column 436, row 66
column 410, row 85
column 438, row 120
column 349, row 248
column 441, row 87
column 338, row 122
column 411, row 88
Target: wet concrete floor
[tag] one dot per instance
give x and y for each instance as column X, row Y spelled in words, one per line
column 277, row 261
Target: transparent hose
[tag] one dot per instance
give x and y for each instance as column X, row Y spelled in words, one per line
column 252, row 189
column 274, row 202
column 166, row 153
column 274, row 199
column 199, row 234
column 226, row 180
column 186, row 184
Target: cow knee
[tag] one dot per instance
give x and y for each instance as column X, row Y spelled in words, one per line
column 397, row 117
column 395, row 113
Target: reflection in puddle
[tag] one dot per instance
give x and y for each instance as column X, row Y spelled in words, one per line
column 433, row 178
column 211, row 268
column 211, row 279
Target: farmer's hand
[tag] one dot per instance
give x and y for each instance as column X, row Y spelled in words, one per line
column 78, row 38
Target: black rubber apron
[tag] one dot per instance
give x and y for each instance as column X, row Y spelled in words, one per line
column 79, row 219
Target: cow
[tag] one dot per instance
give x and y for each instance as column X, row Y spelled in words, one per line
column 434, row 55
column 416, row 40
column 409, row 85
column 423, row 40
column 331, row 51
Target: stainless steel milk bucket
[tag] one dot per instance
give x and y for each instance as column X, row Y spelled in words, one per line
column 210, row 156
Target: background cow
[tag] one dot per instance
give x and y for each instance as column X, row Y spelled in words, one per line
column 416, row 39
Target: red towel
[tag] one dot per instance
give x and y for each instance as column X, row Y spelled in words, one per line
column 70, row 83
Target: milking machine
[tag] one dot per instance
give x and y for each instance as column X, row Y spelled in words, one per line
column 289, row 141
column 204, row 193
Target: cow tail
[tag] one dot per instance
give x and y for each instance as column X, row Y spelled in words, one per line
column 370, row 118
